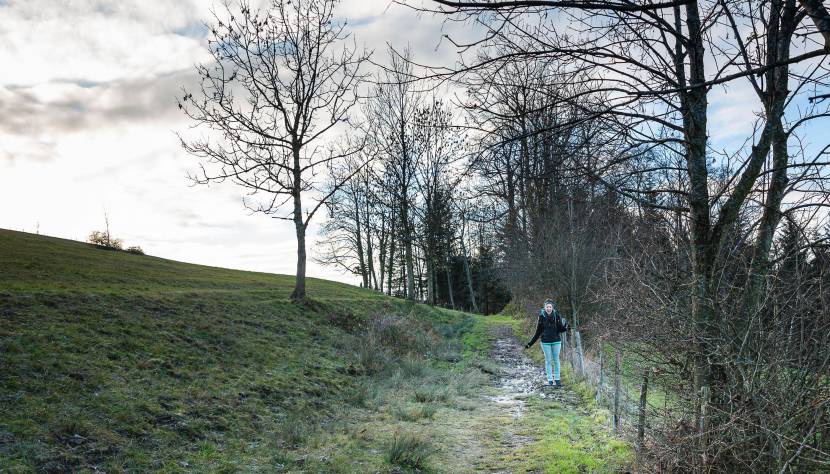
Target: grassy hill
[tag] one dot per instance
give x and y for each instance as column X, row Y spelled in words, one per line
column 113, row 361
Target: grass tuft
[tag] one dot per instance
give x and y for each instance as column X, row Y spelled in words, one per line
column 415, row 412
column 431, row 393
column 408, row 450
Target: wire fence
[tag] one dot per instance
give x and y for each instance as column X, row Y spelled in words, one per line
column 647, row 409
column 640, row 406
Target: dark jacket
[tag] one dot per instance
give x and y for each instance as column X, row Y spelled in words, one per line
column 549, row 327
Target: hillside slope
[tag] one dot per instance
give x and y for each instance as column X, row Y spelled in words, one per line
column 124, row 361
column 112, row 362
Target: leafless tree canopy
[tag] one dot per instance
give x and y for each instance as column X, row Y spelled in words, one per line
column 570, row 153
column 282, row 79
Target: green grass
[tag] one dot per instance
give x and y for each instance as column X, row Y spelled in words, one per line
column 119, row 362
column 408, row 450
column 662, row 387
column 575, row 442
column 570, row 439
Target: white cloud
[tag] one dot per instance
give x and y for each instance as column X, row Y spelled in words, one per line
column 733, row 113
column 96, row 41
column 87, row 121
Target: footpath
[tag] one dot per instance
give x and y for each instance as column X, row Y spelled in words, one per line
column 519, row 424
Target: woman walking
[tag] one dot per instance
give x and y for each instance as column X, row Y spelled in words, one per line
column 550, row 326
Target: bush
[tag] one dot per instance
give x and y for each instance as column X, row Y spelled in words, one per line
column 401, row 334
column 373, row 359
column 104, row 239
column 408, row 450
column 412, row 367
column 136, row 250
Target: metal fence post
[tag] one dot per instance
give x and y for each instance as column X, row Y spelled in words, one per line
column 580, row 360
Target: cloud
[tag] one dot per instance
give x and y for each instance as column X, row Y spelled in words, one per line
column 82, row 65
column 97, row 41
column 87, row 115
column 34, row 115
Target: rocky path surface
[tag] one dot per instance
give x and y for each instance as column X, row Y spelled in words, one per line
column 500, row 427
column 519, row 377
column 502, row 422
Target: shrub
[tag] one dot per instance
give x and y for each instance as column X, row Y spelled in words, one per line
column 373, row 359
column 408, row 450
column 104, row 239
column 412, row 367
column 401, row 334
column 136, row 250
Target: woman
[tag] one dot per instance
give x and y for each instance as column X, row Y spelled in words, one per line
column 550, row 325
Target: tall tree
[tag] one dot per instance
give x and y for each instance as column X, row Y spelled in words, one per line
column 391, row 114
column 281, row 80
column 658, row 62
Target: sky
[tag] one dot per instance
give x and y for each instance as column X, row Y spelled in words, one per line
column 88, row 124
column 88, row 120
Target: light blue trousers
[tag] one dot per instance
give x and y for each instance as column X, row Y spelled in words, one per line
column 551, row 350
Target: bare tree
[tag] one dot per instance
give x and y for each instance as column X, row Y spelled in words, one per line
column 656, row 64
column 391, row 114
column 282, row 80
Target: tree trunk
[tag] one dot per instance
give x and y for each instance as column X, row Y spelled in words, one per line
column 469, row 276
column 370, row 258
column 382, row 252
column 390, row 271
column 821, row 18
column 407, row 241
column 430, row 264
column 358, row 238
column 759, row 268
column 775, row 99
column 449, row 278
column 298, row 295
column 694, row 107
column 299, row 286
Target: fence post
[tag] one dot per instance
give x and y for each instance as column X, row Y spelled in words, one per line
column 601, row 381
column 641, row 428
column 580, row 360
column 567, row 344
column 617, row 389
column 704, row 425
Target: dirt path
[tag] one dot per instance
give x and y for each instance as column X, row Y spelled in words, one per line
column 492, row 437
column 519, row 380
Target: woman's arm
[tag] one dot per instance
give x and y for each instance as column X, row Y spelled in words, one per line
column 539, row 328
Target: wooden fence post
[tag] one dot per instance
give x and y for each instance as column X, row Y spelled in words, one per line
column 704, row 425
column 617, row 362
column 601, row 378
column 580, row 360
column 568, row 345
column 641, row 423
